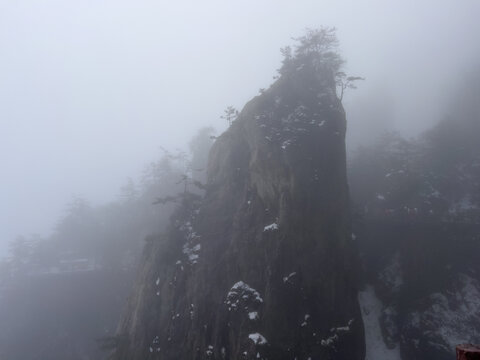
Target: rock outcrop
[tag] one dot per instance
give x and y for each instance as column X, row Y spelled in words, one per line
column 263, row 266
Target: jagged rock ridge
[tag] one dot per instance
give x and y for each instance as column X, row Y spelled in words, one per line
column 263, row 266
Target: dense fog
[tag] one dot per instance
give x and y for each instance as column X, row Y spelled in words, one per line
column 90, row 91
column 108, row 111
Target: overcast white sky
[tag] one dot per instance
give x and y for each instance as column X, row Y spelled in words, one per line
column 90, row 89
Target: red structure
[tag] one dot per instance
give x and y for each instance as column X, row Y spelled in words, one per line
column 468, row 352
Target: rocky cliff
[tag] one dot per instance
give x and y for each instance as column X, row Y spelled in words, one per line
column 263, row 266
column 417, row 225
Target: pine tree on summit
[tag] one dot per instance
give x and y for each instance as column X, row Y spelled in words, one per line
column 318, row 49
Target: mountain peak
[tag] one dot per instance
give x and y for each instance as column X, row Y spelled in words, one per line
column 264, row 265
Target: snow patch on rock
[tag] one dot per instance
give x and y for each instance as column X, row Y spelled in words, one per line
column 258, row 339
column 242, row 294
column 253, row 315
column 271, row 227
column 190, row 249
column 287, row 279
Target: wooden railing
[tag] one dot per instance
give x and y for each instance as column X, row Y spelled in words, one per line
column 468, row 352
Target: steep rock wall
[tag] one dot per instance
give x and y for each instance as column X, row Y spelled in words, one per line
column 263, row 267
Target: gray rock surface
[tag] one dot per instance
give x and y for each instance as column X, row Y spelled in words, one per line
column 263, row 267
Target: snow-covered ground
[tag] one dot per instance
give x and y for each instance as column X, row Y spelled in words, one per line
column 371, row 310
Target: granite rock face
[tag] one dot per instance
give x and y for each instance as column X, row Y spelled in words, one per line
column 263, row 266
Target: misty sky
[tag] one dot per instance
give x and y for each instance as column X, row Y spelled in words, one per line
column 89, row 90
